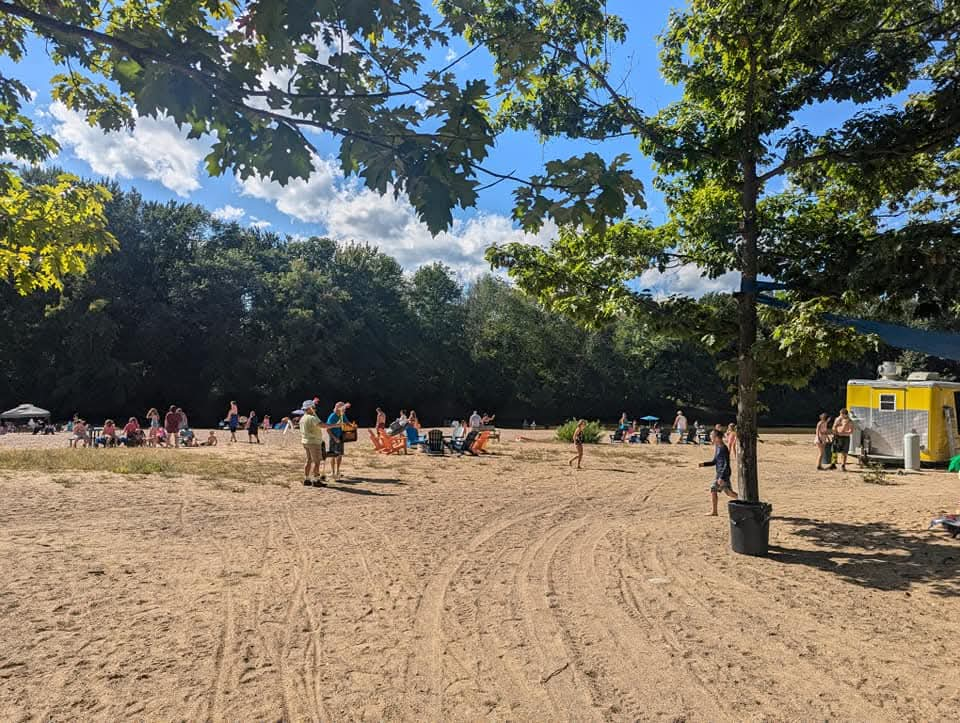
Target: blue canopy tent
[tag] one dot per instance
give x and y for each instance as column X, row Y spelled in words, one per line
column 941, row 344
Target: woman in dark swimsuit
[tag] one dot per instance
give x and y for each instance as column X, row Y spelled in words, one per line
column 578, row 443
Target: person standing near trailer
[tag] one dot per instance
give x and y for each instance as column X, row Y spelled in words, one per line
column 842, row 431
column 823, row 441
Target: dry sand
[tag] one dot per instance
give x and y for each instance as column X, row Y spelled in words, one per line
column 508, row 587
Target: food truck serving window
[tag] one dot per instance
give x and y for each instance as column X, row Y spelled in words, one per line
column 888, row 402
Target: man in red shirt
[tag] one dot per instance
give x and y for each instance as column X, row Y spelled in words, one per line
column 171, row 423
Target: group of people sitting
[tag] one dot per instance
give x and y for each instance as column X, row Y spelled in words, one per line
column 33, row 426
column 173, row 431
column 636, row 433
column 409, row 425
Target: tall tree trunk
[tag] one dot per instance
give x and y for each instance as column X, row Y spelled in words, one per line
column 747, row 315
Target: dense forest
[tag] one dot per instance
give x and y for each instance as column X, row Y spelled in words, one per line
column 195, row 312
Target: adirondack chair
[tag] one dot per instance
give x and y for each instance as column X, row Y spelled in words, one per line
column 465, row 446
column 413, row 436
column 494, row 432
column 435, row 442
column 393, row 444
column 482, row 439
column 377, row 442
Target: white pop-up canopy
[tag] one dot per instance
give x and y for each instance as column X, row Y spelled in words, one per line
column 25, row 411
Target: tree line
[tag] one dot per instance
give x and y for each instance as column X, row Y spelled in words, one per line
column 192, row 311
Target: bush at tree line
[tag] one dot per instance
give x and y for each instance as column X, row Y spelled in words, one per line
column 591, row 432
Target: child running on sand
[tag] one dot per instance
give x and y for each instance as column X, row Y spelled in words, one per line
column 721, row 461
column 578, row 443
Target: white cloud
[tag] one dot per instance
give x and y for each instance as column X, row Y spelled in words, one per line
column 155, row 149
column 259, row 223
column 687, row 280
column 350, row 212
column 451, row 55
column 229, row 213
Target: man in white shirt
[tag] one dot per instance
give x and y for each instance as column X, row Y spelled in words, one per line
column 475, row 420
column 680, row 424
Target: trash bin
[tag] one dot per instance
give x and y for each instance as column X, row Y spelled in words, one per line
column 911, row 450
column 826, row 456
column 749, row 526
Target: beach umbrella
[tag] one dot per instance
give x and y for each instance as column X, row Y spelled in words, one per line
column 25, row 411
column 650, row 418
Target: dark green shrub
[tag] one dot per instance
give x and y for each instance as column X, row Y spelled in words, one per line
column 591, row 433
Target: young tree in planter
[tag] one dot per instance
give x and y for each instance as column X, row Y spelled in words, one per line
column 748, row 185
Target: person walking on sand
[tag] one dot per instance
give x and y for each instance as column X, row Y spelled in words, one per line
column 171, row 425
column 822, row 440
column 253, row 427
column 381, row 420
column 233, row 420
column 680, row 424
column 578, row 444
column 311, row 434
column 842, row 430
column 335, row 432
column 721, row 462
column 730, row 439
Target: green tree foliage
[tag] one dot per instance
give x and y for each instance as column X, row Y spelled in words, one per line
column 48, row 229
column 192, row 311
column 257, row 75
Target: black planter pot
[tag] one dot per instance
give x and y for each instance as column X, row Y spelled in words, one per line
column 749, row 526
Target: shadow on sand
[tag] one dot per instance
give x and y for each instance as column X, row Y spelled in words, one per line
column 876, row 555
column 337, row 487
column 370, row 480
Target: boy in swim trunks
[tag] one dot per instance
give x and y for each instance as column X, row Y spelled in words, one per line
column 720, row 461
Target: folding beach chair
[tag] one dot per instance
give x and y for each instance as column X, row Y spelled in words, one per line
column 478, row 446
column 377, row 442
column 465, row 446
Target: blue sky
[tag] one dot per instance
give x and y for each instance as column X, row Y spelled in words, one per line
column 158, row 160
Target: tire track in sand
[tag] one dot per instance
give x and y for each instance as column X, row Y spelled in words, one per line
column 565, row 683
column 498, row 639
column 223, row 666
column 572, row 588
column 313, row 652
column 424, row 672
column 785, row 640
column 619, row 648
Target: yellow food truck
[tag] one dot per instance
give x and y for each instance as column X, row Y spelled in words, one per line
column 885, row 409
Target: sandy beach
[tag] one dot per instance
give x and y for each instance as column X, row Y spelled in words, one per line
column 506, row 587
